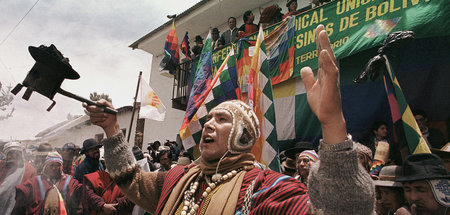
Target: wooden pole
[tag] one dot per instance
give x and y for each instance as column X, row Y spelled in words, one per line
column 134, row 106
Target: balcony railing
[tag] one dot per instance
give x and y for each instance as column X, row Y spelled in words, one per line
column 180, row 90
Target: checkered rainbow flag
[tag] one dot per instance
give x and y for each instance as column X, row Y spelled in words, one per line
column 224, row 86
column 260, row 98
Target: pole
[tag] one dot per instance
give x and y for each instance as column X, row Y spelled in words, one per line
column 134, row 106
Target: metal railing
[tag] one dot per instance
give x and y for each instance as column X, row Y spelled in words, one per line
column 180, row 94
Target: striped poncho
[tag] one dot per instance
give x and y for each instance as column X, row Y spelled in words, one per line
column 273, row 193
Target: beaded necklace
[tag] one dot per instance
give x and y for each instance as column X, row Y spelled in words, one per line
column 190, row 206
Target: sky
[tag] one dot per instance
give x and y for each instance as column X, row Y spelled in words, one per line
column 94, row 35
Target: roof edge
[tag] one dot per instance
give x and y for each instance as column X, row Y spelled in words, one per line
column 168, row 23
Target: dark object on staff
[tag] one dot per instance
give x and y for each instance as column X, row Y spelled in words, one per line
column 393, row 41
column 47, row 75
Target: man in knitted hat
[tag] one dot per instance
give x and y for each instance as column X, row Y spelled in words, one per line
column 303, row 163
column 52, row 192
column 13, row 171
column 226, row 181
column 426, row 184
column 40, row 154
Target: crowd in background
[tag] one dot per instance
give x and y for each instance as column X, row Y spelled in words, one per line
column 35, row 180
column 270, row 15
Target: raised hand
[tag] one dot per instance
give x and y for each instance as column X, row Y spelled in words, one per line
column 107, row 121
column 323, row 94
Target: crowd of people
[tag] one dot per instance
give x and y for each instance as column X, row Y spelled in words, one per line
column 72, row 180
column 270, row 15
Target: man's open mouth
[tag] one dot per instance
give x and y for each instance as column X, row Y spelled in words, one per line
column 208, row 140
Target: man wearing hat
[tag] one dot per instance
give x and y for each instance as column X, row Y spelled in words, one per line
column 390, row 198
column 197, row 49
column 299, row 147
column 13, row 171
column 304, row 162
column 226, row 180
column 426, row 184
column 52, row 192
column 68, row 153
column 288, row 167
column 40, row 154
column 91, row 148
column 215, row 39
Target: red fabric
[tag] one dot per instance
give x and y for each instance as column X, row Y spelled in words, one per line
column 274, row 193
column 247, row 29
column 29, row 200
column 30, row 172
column 94, row 184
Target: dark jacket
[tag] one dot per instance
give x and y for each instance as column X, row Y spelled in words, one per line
column 89, row 165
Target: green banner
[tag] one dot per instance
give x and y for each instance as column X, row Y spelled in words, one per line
column 358, row 25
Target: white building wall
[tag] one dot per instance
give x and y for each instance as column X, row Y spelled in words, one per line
column 82, row 132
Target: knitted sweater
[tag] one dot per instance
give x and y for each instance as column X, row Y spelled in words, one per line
column 338, row 184
column 272, row 192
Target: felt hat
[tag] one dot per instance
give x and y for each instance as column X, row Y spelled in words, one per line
column 289, row 164
column 52, row 57
column 298, row 148
column 69, row 146
column 198, row 38
column 89, row 144
column 48, row 73
column 43, row 149
column 388, row 175
column 423, row 166
column 289, row 2
column 444, row 152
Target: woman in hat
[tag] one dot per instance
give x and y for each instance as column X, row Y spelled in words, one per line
column 292, row 8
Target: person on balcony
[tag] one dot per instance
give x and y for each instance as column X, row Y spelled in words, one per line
column 230, row 35
column 197, row 49
column 248, row 27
